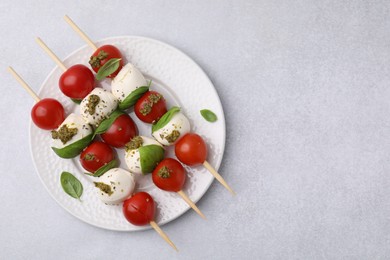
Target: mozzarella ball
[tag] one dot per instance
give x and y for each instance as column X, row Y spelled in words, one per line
column 128, row 79
column 133, row 157
column 97, row 106
column 115, row 186
column 177, row 127
column 73, row 121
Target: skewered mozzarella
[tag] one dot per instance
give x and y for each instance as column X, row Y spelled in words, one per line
column 127, row 80
column 143, row 154
column 177, row 127
column 115, row 186
column 97, row 106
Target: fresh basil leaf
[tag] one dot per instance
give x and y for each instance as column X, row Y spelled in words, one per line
column 77, row 101
column 108, row 68
column 71, row 185
column 165, row 119
column 114, row 163
column 73, row 149
column 132, row 98
column 208, row 115
column 106, row 123
column 150, row 156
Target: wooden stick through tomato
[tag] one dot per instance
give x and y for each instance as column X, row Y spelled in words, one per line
column 140, row 209
column 47, row 113
column 51, row 53
column 170, row 175
column 192, row 150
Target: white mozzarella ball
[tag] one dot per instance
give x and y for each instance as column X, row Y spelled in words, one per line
column 128, row 79
column 95, row 111
column 73, row 121
column 115, row 186
column 176, row 128
column 133, row 158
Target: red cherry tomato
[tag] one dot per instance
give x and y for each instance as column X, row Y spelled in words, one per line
column 150, row 107
column 139, row 209
column 191, row 149
column 48, row 114
column 96, row 155
column 120, row 132
column 77, row 82
column 104, row 54
column 169, row 175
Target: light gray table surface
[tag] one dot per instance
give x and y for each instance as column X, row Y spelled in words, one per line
column 305, row 87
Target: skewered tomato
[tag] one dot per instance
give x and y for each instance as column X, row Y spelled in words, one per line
column 122, row 130
column 139, row 209
column 169, row 175
column 104, row 54
column 191, row 149
column 48, row 114
column 77, row 82
column 96, row 155
column 150, row 107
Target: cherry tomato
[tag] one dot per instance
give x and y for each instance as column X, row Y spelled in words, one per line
column 150, row 107
column 48, row 114
column 139, row 209
column 191, row 149
column 169, row 175
column 77, row 82
column 104, row 54
column 120, row 132
column 96, row 155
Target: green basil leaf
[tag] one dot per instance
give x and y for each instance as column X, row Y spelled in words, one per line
column 208, row 115
column 150, row 156
column 73, row 149
column 114, row 163
column 77, row 101
column 164, row 120
column 71, row 185
column 108, row 68
column 106, row 123
column 132, row 98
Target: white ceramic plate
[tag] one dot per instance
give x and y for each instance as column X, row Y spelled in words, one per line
column 183, row 83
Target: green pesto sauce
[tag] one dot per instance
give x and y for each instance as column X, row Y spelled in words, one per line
column 64, row 133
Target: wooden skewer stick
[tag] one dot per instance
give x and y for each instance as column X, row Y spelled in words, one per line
column 80, row 32
column 50, row 53
column 24, row 84
column 218, row 177
column 162, row 234
column 191, row 203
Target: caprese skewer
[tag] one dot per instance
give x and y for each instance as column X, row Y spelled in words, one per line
column 77, row 81
column 47, row 113
column 140, row 210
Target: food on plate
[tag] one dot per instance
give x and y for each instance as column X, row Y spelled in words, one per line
column 150, row 107
column 209, row 115
column 97, row 158
column 191, row 149
column 143, row 154
column 48, row 113
column 128, row 86
column 71, row 137
column 77, row 82
column 102, row 55
column 118, row 129
column 71, row 185
column 115, row 186
column 140, row 209
column 171, row 127
column 97, row 106
column 169, row 175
